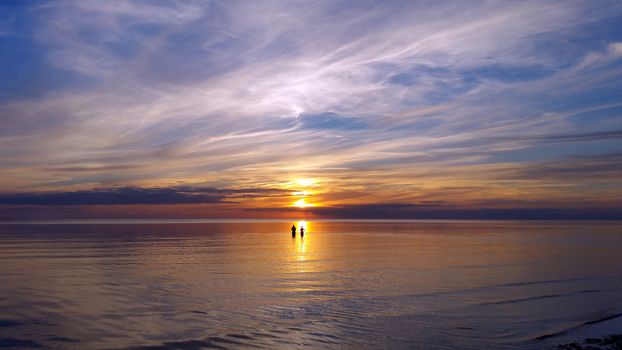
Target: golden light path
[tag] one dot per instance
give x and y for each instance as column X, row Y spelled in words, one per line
column 304, row 224
column 301, row 247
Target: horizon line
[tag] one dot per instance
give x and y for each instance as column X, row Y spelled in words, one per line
column 268, row 220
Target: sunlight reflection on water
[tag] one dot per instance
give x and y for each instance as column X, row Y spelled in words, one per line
column 443, row 285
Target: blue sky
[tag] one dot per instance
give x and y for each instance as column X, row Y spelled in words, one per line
column 470, row 105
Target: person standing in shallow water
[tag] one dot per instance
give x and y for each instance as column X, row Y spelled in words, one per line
column 302, row 231
column 293, row 230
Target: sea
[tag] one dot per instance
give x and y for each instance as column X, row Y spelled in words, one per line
column 243, row 284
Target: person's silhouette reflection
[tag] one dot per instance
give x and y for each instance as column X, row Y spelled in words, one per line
column 293, row 230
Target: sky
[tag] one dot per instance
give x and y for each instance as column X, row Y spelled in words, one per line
column 312, row 109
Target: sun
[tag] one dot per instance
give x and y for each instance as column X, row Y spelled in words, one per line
column 302, row 204
column 305, row 182
column 302, row 191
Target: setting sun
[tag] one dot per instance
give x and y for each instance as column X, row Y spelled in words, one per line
column 305, row 182
column 302, row 204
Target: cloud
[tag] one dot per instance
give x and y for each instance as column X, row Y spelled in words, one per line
column 127, row 195
column 330, row 121
column 612, row 52
column 135, row 195
column 382, row 100
column 595, row 168
column 586, row 136
column 439, row 211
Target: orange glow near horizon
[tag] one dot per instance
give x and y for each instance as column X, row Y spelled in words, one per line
column 302, row 204
column 306, row 182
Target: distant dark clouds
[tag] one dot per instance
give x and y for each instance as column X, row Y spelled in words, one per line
column 405, row 211
column 171, row 203
column 79, row 169
column 135, row 195
column 374, row 211
column 447, row 211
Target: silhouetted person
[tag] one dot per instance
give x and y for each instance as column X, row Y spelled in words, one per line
column 302, row 231
column 293, row 230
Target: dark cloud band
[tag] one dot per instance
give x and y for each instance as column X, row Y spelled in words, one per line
column 135, row 195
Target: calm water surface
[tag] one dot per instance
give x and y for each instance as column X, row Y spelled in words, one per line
column 429, row 285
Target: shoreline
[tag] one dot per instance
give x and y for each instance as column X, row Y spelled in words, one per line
column 603, row 335
column 611, row 342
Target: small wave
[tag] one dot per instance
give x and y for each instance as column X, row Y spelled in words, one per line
column 207, row 343
column 18, row 343
column 264, row 335
column 324, row 335
column 538, row 297
column 603, row 319
column 520, row 300
column 63, row 339
column 10, row 323
column 199, row 312
column 587, row 291
column 239, row 336
column 569, row 329
column 184, row 345
column 529, row 283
